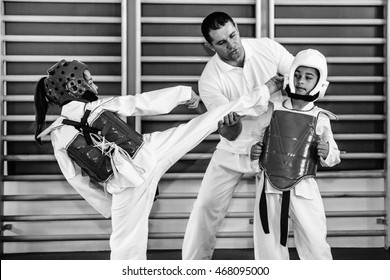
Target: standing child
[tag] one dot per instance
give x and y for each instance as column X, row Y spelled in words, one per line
column 298, row 137
column 112, row 166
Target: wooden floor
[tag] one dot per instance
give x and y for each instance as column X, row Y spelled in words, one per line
column 225, row 254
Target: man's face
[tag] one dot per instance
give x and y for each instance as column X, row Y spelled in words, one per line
column 226, row 42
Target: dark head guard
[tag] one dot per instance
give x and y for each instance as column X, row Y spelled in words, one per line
column 66, row 83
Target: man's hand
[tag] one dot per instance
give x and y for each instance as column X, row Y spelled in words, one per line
column 256, row 150
column 275, row 83
column 230, row 119
column 194, row 101
column 323, row 149
column 230, row 127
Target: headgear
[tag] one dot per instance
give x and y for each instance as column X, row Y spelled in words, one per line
column 315, row 59
column 66, row 83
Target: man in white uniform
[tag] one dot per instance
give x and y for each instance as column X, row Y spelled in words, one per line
column 239, row 68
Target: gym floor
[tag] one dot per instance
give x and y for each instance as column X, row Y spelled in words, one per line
column 220, row 254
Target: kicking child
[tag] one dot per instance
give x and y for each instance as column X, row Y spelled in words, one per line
column 113, row 167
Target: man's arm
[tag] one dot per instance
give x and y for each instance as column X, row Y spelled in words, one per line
column 283, row 57
column 230, row 127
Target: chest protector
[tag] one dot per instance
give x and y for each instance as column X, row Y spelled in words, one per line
column 290, row 149
column 93, row 147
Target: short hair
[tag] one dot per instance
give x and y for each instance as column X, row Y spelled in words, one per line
column 214, row 21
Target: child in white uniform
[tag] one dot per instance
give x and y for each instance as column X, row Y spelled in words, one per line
column 127, row 192
column 307, row 83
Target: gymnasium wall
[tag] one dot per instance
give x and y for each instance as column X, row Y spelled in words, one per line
column 137, row 46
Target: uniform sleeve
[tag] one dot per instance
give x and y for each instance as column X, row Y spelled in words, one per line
column 283, row 58
column 155, row 102
column 72, row 173
column 325, row 131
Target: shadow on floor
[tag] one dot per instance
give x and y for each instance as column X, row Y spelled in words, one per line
column 220, row 254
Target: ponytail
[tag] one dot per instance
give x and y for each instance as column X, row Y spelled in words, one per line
column 41, row 106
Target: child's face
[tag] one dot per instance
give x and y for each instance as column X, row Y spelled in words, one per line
column 305, row 79
column 88, row 78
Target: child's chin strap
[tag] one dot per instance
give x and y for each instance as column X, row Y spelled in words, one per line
column 308, row 98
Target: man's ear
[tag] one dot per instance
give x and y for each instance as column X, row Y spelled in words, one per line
column 209, row 46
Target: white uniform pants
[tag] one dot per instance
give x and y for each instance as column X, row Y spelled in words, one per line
column 220, row 180
column 309, row 222
column 132, row 206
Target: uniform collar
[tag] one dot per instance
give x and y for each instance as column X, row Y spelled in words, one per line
column 287, row 104
column 73, row 109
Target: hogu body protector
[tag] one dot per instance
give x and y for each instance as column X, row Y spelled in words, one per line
column 88, row 150
column 289, row 155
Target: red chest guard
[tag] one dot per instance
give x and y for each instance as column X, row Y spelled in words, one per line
column 290, row 149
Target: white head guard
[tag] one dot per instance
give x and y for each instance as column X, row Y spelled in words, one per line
column 315, row 59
